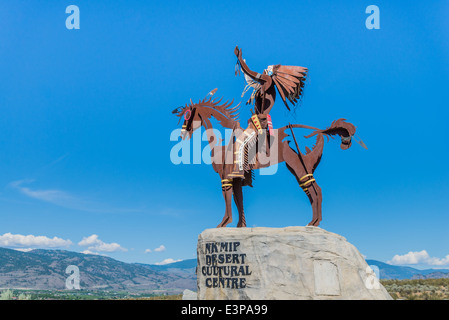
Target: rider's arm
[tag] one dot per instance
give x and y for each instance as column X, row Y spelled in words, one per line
column 263, row 79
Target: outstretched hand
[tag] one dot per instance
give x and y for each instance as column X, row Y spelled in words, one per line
column 237, row 52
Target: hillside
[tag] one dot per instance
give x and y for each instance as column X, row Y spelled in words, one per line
column 388, row 271
column 45, row 269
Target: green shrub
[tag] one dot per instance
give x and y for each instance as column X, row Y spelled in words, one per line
column 6, row 295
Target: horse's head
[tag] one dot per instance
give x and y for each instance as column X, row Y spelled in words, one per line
column 197, row 114
column 192, row 120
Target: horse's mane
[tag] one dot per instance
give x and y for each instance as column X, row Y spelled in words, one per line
column 224, row 111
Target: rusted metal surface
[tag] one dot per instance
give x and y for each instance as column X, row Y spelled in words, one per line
column 287, row 80
column 236, row 161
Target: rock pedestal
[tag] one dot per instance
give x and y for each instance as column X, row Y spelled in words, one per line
column 282, row 263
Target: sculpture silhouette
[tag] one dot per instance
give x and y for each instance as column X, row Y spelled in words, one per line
column 258, row 152
column 287, row 80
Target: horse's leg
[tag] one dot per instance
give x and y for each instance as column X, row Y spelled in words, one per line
column 311, row 189
column 318, row 200
column 238, row 199
column 314, row 193
column 227, row 194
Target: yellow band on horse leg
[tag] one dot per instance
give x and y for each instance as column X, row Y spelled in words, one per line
column 306, row 183
column 307, row 175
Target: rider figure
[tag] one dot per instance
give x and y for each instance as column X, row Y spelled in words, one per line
column 289, row 81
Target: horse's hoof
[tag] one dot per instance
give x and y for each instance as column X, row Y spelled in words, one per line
column 224, row 223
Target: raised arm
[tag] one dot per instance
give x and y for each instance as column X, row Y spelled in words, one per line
column 263, row 79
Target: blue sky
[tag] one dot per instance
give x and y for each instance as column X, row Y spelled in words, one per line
column 85, row 123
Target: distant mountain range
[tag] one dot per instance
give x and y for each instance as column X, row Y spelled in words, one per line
column 388, row 271
column 45, row 270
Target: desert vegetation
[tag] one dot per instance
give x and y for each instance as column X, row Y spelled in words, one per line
column 419, row 289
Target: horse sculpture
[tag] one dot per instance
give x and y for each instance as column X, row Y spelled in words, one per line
column 258, row 145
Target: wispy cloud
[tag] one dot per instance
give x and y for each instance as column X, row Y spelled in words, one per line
column 161, row 248
column 90, row 252
column 54, row 196
column 53, row 163
column 24, row 249
column 10, row 240
column 167, row 261
column 93, row 253
column 64, row 199
column 419, row 258
column 94, row 245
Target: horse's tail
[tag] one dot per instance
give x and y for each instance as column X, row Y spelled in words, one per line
column 344, row 129
column 338, row 127
column 312, row 157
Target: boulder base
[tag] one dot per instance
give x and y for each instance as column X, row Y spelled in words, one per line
column 282, row 263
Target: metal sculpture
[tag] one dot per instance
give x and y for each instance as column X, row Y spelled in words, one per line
column 287, row 80
column 302, row 166
column 236, row 161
